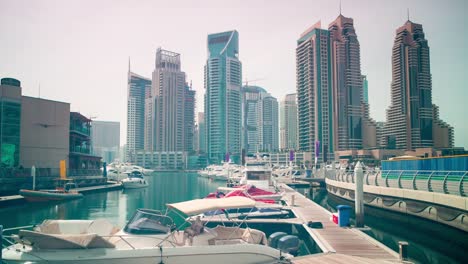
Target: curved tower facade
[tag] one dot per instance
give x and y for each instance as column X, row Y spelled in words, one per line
column 223, row 81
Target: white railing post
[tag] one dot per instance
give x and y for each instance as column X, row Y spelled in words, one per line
column 444, row 185
column 414, row 180
column 460, row 184
column 359, row 194
column 33, row 175
column 429, row 188
column 399, row 179
column 386, row 179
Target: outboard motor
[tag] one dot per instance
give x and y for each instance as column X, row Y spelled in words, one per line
column 289, row 244
column 274, row 238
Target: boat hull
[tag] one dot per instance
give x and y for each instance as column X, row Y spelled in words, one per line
column 42, row 196
column 226, row 254
column 134, row 184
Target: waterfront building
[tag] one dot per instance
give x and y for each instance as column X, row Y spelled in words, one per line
column 166, row 104
column 315, row 91
column 201, row 133
column 80, row 156
column 288, row 123
column 162, row 160
column 138, row 89
column 223, row 81
column 283, row 159
column 10, row 122
column 33, row 131
column 410, row 117
column 260, row 120
column 105, row 138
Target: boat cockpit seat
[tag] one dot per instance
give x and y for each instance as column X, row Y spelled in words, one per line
column 235, row 235
column 59, row 241
column 100, row 227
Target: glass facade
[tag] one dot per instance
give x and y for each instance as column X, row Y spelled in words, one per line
column 10, row 120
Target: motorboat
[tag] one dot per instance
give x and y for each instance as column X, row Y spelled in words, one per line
column 257, row 212
column 257, row 173
column 134, row 180
column 63, row 192
column 149, row 237
column 119, row 168
column 252, row 192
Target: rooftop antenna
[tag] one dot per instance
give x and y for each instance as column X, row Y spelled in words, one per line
column 128, row 63
column 340, row 7
column 407, row 12
column 39, row 90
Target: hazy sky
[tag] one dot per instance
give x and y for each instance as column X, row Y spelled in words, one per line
column 78, row 50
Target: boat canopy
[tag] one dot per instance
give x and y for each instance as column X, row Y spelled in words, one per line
column 199, row 206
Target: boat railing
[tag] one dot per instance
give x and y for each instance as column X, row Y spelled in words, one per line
column 446, row 182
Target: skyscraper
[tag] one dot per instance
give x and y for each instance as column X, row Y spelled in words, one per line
column 223, row 80
column 288, row 122
column 137, row 89
column 270, row 124
column 410, row 117
column 189, row 118
column 260, row 120
column 347, row 84
column 201, row 133
column 314, row 91
column 166, row 129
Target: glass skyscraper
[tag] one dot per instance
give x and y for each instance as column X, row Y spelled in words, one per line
column 138, row 88
column 288, row 125
column 223, row 81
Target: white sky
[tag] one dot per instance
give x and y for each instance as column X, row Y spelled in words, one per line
column 78, row 50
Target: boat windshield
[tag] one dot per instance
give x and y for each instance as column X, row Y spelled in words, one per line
column 149, row 222
column 258, row 175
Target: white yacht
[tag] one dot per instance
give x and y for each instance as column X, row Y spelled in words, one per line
column 257, row 173
column 149, row 237
column 134, row 180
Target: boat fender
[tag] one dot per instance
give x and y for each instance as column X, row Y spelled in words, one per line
column 317, row 225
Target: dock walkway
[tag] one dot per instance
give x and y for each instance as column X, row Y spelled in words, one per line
column 332, row 238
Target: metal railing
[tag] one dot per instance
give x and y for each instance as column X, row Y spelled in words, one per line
column 447, row 182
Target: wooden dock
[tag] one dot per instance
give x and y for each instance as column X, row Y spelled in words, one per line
column 332, row 238
column 100, row 188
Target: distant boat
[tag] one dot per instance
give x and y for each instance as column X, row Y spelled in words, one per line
column 135, row 180
column 64, row 191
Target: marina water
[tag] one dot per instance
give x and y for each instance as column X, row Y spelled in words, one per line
column 119, row 206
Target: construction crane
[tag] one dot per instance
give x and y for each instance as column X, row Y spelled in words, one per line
column 246, row 82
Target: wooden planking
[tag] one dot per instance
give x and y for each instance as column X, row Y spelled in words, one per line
column 334, row 238
column 332, row 258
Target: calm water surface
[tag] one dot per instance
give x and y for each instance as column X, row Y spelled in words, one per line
column 116, row 206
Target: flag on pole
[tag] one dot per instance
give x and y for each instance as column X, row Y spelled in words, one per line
column 291, row 155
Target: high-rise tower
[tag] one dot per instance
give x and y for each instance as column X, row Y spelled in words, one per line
column 314, row 91
column 410, row 117
column 166, row 107
column 260, row 120
column 347, row 84
column 288, row 123
column 223, row 80
column 138, row 87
